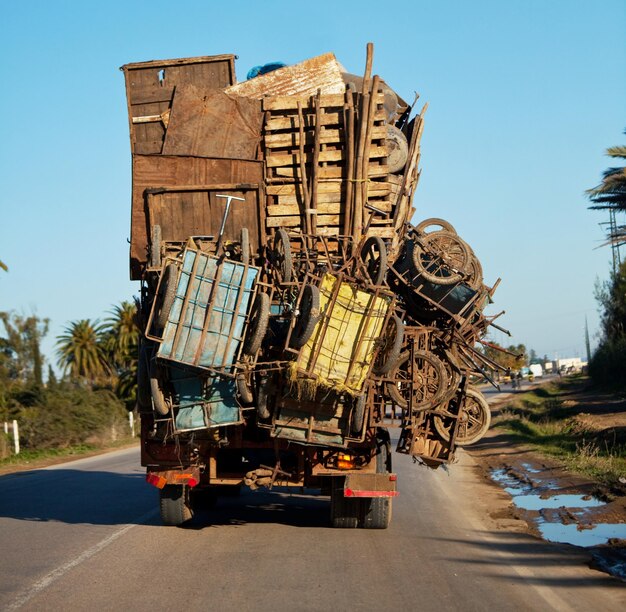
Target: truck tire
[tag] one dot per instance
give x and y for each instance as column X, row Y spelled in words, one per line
column 376, row 511
column 281, row 256
column 358, row 414
column 175, row 505
column 344, row 512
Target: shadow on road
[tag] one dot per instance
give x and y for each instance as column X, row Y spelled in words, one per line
column 279, row 507
column 520, row 551
column 108, row 498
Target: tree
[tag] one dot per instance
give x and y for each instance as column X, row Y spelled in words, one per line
column 81, row 352
column 121, row 335
column 513, row 357
column 610, row 194
column 20, row 351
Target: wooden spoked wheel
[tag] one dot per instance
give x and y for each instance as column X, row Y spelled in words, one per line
column 441, row 258
column 474, row 420
column 422, row 383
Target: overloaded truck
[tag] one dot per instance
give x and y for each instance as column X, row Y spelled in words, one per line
column 291, row 313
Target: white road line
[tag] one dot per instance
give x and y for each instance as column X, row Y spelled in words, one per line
column 57, row 573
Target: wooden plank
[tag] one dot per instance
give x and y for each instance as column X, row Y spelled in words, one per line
column 327, row 136
column 291, row 122
column 295, row 220
column 145, row 94
column 330, row 171
column 279, row 103
column 328, row 155
column 285, row 210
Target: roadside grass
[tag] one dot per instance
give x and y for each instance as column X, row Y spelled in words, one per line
column 35, row 458
column 539, row 418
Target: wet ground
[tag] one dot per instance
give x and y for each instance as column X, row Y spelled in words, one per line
column 557, row 505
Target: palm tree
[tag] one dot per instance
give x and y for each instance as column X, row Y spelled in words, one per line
column 81, row 353
column 610, row 195
column 121, row 335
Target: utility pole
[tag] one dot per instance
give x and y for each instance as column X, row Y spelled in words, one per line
column 587, row 346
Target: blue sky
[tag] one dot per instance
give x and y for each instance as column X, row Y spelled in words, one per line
column 524, row 98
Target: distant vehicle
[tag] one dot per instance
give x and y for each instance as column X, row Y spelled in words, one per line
column 536, row 370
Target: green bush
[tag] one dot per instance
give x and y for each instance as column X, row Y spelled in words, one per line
column 608, row 364
column 70, row 415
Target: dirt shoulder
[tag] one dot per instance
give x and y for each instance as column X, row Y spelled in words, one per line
column 600, row 413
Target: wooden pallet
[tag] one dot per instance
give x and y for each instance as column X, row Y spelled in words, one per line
column 310, row 153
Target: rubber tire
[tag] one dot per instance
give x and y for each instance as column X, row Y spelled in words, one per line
column 344, row 512
column 257, row 324
column 376, row 511
column 144, row 396
column 358, row 414
column 262, row 398
column 439, row 422
column 398, row 149
column 393, row 354
column 286, row 272
column 167, row 293
column 377, row 276
column 243, row 389
column 308, row 318
column 175, row 505
column 156, row 390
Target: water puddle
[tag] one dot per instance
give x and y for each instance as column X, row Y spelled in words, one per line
column 572, row 506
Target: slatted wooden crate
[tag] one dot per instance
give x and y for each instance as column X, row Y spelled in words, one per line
column 310, row 138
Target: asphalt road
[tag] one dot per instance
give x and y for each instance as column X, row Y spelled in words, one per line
column 86, row 536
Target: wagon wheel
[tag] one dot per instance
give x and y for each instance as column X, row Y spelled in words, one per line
column 159, row 401
column 398, row 149
column 442, row 223
column 358, row 414
column 373, row 260
column 166, row 295
column 245, row 246
column 475, row 273
column 441, row 257
column 257, row 324
column 474, row 420
column 281, row 256
column 453, row 376
column 391, row 345
column 308, row 317
column 426, row 387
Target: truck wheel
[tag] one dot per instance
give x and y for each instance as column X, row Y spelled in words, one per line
column 344, row 512
column 175, row 505
column 376, row 511
column 308, row 318
column 262, row 398
column 257, row 323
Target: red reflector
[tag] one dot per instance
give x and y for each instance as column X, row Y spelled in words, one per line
column 348, row 492
column 192, row 482
column 393, row 477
